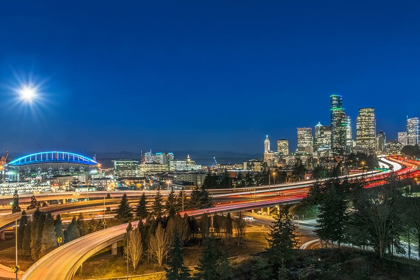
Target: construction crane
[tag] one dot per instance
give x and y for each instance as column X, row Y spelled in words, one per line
column 215, row 161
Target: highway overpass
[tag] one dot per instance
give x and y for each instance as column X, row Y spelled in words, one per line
column 63, row 262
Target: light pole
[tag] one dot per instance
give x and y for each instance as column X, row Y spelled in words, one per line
column 274, row 175
column 182, row 198
column 103, row 221
column 16, row 248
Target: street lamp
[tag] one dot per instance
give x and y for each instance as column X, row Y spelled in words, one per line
column 269, row 180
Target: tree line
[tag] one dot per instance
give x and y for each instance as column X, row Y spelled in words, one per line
column 377, row 217
column 43, row 233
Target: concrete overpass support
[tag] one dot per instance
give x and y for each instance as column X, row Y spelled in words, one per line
column 2, row 235
column 114, row 249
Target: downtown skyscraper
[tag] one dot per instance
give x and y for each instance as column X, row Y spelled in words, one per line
column 305, row 140
column 413, row 131
column 366, row 129
column 338, row 125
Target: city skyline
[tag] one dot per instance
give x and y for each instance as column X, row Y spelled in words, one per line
column 165, row 85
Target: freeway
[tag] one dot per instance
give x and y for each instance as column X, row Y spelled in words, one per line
column 63, row 262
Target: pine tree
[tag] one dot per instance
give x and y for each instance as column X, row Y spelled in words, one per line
column 224, row 268
column 229, row 225
column 193, row 226
column 15, row 206
column 49, row 238
column 93, row 226
column 226, row 181
column 141, row 212
column 72, row 232
column 58, row 227
column 331, row 196
column 81, row 225
column 26, row 243
column 157, row 205
column 34, row 224
column 176, row 269
column 204, row 225
column 22, row 226
column 282, row 239
column 124, row 210
column 261, row 270
column 200, row 199
column 170, row 205
column 36, row 245
column 34, row 203
column 207, row 269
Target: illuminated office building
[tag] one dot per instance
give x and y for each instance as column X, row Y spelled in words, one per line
column 304, row 139
column 402, row 138
column 366, row 129
column 381, row 141
column 413, row 131
column 322, row 140
column 338, row 125
column 283, row 147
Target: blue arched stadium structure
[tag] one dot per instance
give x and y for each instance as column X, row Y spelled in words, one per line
column 50, row 164
column 54, row 156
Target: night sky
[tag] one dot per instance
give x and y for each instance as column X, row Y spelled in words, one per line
column 203, row 75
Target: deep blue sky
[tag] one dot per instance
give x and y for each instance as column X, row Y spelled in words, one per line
column 219, row 75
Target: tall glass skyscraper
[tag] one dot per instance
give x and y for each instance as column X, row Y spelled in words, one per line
column 305, row 139
column 413, row 131
column 338, row 125
column 366, row 129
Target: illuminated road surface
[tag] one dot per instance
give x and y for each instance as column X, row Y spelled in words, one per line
column 63, row 262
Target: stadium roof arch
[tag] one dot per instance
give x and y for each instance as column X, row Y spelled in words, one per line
column 52, row 157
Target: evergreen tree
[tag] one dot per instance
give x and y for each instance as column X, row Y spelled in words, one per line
column 200, row 199
column 72, row 232
column 34, row 203
column 282, row 239
column 58, row 227
column 141, row 211
column 81, row 225
column 157, row 205
column 210, row 182
column 205, row 225
column 331, row 196
column 36, row 245
column 22, row 226
column 26, row 243
column 176, row 269
column 226, row 181
column 170, row 205
column 124, row 210
column 49, row 238
column 224, row 268
column 261, row 270
column 193, row 226
column 93, row 226
column 229, row 225
column 206, row 268
column 333, row 216
column 34, row 224
column 15, row 206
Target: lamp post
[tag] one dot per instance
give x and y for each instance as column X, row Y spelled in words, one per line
column 16, row 249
